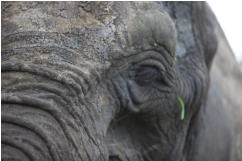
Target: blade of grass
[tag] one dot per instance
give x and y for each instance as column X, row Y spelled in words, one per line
column 182, row 107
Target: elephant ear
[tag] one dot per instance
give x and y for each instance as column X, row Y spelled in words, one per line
column 205, row 24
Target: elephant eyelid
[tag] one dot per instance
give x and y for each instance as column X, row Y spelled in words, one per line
column 146, row 75
column 153, row 63
column 147, row 72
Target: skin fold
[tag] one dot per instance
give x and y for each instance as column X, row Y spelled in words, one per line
column 99, row 81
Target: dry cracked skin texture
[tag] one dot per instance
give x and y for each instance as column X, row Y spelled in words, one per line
column 100, row 80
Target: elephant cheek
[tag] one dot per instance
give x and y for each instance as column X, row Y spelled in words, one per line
column 107, row 106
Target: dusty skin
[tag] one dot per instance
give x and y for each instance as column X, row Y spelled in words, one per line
column 99, row 81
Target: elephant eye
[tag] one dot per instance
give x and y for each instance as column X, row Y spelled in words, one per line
column 146, row 75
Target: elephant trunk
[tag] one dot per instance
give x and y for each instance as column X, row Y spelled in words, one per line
column 47, row 113
column 48, row 85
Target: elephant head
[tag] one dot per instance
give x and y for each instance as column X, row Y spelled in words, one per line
column 101, row 80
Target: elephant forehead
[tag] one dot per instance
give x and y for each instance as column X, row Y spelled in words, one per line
column 152, row 28
column 98, row 31
column 48, row 17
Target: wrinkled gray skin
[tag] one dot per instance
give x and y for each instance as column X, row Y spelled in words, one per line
column 90, row 81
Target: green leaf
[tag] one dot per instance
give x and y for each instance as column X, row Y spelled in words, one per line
column 182, row 107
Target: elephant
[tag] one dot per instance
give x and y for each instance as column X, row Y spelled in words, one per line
column 109, row 81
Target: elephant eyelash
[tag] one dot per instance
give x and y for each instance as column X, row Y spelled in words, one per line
column 147, row 72
column 145, row 75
